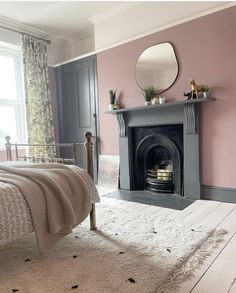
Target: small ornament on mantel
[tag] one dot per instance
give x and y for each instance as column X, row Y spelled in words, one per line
column 155, row 101
column 198, row 88
column 162, row 100
column 190, row 95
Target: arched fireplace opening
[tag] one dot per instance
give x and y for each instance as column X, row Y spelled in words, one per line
column 158, row 162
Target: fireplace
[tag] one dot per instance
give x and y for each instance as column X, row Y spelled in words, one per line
column 161, row 141
column 157, row 158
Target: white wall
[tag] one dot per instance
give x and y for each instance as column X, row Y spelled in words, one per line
column 56, row 53
column 145, row 17
column 81, row 46
column 10, row 37
column 56, row 50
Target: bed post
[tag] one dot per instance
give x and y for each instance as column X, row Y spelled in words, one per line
column 8, row 148
column 89, row 151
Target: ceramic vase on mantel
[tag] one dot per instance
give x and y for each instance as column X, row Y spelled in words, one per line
column 155, row 101
column 111, row 107
column 205, row 95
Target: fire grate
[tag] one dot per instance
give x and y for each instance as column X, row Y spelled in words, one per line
column 160, row 179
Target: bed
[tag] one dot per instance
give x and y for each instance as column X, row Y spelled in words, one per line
column 44, row 195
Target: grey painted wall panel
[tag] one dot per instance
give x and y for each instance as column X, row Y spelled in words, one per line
column 219, row 193
column 84, row 97
column 77, row 94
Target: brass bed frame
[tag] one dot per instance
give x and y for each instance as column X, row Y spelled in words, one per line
column 88, row 144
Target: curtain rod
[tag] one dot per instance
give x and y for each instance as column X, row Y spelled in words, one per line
column 17, row 31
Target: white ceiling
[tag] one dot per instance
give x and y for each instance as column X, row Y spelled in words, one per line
column 68, row 19
column 60, row 18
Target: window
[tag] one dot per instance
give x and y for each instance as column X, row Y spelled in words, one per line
column 12, row 110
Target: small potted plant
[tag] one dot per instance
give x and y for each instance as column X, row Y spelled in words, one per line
column 206, row 92
column 112, row 94
column 149, row 93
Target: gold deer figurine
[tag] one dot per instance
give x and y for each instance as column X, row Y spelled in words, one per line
column 196, row 88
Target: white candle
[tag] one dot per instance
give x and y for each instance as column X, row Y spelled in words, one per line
column 162, row 100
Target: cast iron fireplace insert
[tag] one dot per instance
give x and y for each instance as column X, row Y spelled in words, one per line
column 157, row 153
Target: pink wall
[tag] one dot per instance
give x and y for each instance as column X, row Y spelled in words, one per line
column 205, row 49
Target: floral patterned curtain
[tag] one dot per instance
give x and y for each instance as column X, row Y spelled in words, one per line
column 37, row 94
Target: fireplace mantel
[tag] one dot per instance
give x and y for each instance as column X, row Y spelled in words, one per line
column 186, row 113
column 158, row 106
column 189, row 107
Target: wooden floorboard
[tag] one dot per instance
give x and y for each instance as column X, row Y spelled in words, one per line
column 149, row 210
column 227, row 223
column 187, row 211
column 203, row 211
column 218, row 215
column 221, row 276
column 217, row 274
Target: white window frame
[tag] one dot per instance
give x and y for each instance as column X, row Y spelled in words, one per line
column 18, row 104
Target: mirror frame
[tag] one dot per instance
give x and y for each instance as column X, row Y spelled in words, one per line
column 176, row 62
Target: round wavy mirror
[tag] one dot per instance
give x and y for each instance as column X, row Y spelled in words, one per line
column 157, row 66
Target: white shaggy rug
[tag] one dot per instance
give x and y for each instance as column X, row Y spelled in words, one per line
column 130, row 252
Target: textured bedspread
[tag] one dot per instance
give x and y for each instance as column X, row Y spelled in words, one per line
column 15, row 215
column 15, row 218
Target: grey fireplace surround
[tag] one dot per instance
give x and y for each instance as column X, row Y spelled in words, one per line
column 187, row 113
